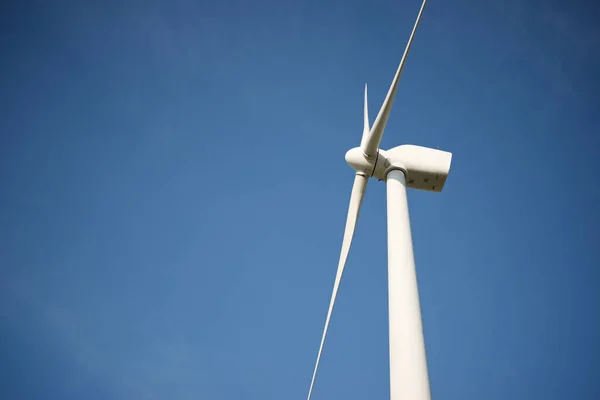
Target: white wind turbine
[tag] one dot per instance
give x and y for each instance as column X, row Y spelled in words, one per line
column 401, row 167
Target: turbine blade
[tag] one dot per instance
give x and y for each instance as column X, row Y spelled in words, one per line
column 358, row 192
column 366, row 127
column 371, row 145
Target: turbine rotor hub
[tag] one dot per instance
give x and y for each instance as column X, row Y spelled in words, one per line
column 357, row 159
column 376, row 167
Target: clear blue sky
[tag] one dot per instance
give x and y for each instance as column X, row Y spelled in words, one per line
column 173, row 194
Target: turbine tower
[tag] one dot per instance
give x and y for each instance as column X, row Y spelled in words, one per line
column 402, row 167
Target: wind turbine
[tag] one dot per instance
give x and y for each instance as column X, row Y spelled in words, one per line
column 402, row 167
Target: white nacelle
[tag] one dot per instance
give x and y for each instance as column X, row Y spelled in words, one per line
column 425, row 168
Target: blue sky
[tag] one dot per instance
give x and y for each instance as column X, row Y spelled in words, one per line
column 174, row 192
